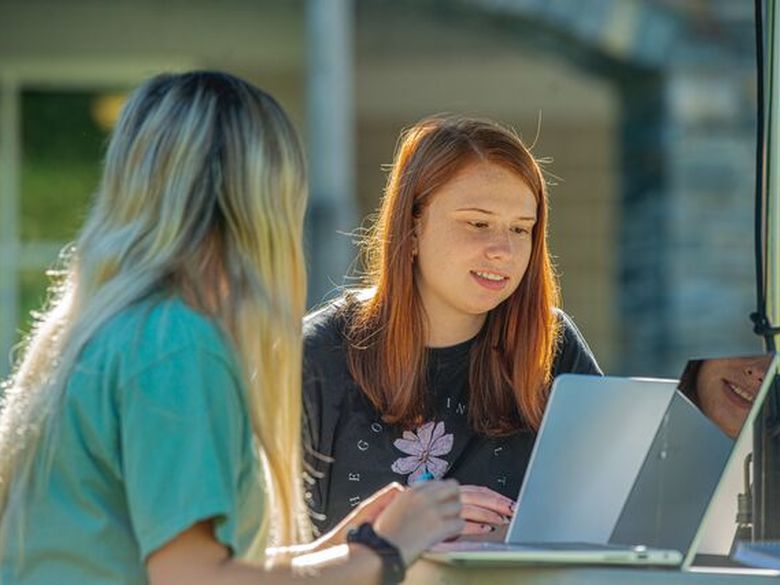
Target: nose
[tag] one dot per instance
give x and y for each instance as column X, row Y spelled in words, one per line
column 755, row 372
column 500, row 247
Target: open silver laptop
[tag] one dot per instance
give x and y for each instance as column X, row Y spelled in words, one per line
column 624, row 469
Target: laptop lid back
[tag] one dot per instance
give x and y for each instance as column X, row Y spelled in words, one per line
column 590, row 448
column 676, row 482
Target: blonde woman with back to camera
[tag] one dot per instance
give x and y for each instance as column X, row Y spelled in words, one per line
column 150, row 431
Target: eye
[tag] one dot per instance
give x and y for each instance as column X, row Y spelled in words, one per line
column 479, row 224
column 518, row 229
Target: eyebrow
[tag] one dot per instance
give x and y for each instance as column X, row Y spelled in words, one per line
column 488, row 212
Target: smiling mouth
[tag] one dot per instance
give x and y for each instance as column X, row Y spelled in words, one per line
column 743, row 394
column 492, row 276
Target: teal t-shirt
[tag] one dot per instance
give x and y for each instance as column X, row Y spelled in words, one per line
column 153, row 436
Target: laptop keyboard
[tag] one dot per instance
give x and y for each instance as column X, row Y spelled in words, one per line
column 501, row 546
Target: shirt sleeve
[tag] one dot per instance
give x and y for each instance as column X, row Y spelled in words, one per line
column 325, row 378
column 312, row 406
column 574, row 355
column 185, row 441
column 318, row 430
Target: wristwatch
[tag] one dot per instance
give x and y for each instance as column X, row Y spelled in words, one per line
column 393, row 568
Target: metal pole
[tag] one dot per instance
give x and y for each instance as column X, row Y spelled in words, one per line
column 773, row 170
column 331, row 127
column 766, row 430
column 10, row 159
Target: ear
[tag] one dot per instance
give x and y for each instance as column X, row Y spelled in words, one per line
column 415, row 227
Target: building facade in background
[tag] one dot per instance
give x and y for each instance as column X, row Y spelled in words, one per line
column 643, row 109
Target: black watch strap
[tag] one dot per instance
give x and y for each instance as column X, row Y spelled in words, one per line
column 393, row 568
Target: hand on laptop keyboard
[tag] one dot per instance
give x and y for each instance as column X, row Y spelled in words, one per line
column 485, row 511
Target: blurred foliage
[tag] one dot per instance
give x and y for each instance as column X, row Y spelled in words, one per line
column 55, row 198
column 32, row 292
column 60, row 126
column 62, row 147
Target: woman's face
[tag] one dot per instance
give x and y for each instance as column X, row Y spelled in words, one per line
column 473, row 244
column 727, row 388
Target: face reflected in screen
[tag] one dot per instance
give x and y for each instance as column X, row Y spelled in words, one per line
column 725, row 388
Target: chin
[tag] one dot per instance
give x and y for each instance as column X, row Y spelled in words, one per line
column 482, row 309
column 494, row 304
column 480, row 306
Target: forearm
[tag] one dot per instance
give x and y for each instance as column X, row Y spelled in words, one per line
column 195, row 558
column 331, row 539
column 338, row 565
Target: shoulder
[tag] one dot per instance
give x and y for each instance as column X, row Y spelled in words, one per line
column 568, row 331
column 326, row 374
column 153, row 331
column 327, row 325
column 568, row 328
column 158, row 358
column 574, row 354
column 325, row 335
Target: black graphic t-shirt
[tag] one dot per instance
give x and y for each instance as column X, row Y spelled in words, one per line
column 351, row 452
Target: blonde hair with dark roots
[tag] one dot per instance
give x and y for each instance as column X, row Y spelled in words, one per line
column 203, row 194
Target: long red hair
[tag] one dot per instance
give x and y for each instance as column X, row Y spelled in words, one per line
column 511, row 359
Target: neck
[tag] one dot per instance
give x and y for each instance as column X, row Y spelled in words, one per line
column 446, row 330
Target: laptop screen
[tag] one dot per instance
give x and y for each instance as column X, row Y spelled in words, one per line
column 731, row 392
column 724, row 389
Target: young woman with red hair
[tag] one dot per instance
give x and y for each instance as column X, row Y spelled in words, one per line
column 441, row 365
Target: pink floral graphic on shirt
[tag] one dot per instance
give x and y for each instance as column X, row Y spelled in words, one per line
column 423, row 447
